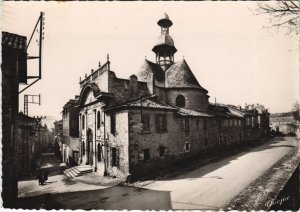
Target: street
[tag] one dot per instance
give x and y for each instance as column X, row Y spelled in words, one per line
column 212, row 186
column 207, row 187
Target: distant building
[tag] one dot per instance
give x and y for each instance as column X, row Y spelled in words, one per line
column 14, row 71
column 147, row 122
column 284, row 122
column 70, row 135
column 27, row 138
column 32, row 139
column 58, row 134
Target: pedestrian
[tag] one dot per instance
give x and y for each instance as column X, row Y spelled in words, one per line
column 40, row 177
column 46, row 175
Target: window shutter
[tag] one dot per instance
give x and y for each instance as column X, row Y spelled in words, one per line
column 111, row 157
column 157, row 123
column 117, row 157
column 165, row 123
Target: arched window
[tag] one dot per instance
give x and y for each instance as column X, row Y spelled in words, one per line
column 99, row 149
column 180, row 101
column 83, row 121
column 83, row 148
column 98, row 120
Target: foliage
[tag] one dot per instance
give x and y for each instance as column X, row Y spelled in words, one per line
column 283, row 14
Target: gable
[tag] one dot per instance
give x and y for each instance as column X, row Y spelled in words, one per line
column 89, row 98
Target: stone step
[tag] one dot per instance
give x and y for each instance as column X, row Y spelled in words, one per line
column 66, row 173
column 78, row 171
column 73, row 172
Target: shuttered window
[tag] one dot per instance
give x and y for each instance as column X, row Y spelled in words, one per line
column 161, row 123
column 113, row 123
column 115, row 157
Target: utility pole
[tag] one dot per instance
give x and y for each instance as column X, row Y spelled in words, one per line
column 32, row 99
column 41, row 23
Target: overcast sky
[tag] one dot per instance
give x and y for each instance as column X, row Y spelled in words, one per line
column 224, row 43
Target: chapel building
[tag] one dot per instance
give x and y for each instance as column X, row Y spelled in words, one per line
column 147, row 122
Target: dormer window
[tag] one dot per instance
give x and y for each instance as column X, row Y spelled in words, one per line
column 180, row 101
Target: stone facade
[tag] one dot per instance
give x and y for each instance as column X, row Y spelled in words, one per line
column 161, row 116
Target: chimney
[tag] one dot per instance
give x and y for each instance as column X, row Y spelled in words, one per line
column 133, row 86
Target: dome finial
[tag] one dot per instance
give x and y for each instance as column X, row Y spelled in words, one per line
column 165, row 21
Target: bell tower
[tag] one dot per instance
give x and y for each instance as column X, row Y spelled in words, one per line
column 164, row 47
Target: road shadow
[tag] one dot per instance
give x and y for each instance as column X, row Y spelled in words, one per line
column 220, row 160
column 113, row 198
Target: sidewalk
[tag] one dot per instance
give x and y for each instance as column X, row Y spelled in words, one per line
column 62, row 184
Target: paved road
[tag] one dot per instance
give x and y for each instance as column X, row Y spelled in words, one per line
column 208, row 187
column 212, row 186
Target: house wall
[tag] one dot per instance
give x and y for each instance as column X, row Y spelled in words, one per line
column 194, row 99
column 10, row 105
column 120, row 141
column 201, row 139
column 72, row 144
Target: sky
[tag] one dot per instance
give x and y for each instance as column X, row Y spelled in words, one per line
column 224, row 43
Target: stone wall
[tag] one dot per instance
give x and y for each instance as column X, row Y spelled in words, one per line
column 194, row 99
column 203, row 135
column 118, row 140
column 73, row 145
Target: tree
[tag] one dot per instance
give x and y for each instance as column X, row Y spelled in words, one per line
column 296, row 110
column 283, row 14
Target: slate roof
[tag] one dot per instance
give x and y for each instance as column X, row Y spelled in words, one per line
column 14, row 41
column 223, row 110
column 189, row 112
column 147, row 68
column 179, row 75
column 236, row 112
column 150, row 102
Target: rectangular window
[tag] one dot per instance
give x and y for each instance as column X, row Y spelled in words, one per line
column 204, row 124
column 161, row 123
column 205, row 142
column 219, row 124
column 197, row 122
column 146, row 122
column 146, row 154
column 185, row 124
column 113, row 123
column 162, row 151
column 187, row 147
column 114, row 156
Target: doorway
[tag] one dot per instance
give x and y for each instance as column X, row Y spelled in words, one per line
column 89, row 147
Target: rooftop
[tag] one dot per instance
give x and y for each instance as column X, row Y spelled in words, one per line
column 179, row 75
column 189, row 112
column 14, row 41
column 149, row 102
